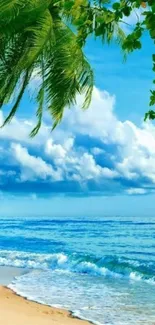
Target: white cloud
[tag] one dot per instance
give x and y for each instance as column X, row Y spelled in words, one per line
column 132, row 191
column 19, row 130
column 75, row 164
column 69, row 165
column 136, row 145
column 98, row 121
column 138, row 151
column 33, row 167
column 59, row 152
column 86, row 168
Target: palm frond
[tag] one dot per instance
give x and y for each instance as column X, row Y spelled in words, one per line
column 68, row 73
column 39, row 114
column 119, row 34
column 40, row 100
column 38, row 36
column 10, row 9
column 9, row 57
column 33, row 46
column 16, row 15
column 26, row 79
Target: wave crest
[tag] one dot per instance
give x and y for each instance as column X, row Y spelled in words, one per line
column 107, row 266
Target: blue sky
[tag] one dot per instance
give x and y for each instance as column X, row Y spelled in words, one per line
column 98, row 161
column 134, row 77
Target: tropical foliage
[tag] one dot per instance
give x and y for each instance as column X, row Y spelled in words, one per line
column 34, row 37
column 103, row 19
column 47, row 38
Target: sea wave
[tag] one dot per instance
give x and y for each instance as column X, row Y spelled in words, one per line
column 108, row 266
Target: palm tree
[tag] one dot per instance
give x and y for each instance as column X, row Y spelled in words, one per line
column 34, row 37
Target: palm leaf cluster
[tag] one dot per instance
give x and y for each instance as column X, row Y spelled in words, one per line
column 34, row 37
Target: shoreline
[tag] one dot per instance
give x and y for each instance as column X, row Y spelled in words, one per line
column 17, row 310
column 8, row 273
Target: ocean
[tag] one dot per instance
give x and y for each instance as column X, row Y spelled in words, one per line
column 101, row 269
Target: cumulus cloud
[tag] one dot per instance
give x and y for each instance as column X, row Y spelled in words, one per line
column 75, row 164
column 59, row 152
column 33, row 167
column 91, row 147
column 98, row 121
column 86, row 168
column 135, row 145
column 19, row 130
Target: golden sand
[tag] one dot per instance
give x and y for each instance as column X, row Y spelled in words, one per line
column 15, row 310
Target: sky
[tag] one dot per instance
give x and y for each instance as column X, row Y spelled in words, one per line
column 97, row 162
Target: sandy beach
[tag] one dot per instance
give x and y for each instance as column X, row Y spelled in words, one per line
column 15, row 310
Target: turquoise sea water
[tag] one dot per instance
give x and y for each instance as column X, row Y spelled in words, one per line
column 102, row 269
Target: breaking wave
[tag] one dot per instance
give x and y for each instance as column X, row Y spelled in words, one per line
column 107, row 266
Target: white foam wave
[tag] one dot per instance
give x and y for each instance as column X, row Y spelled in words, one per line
column 91, row 268
column 32, row 260
column 75, row 313
column 88, row 298
column 63, row 263
column 134, row 276
column 137, row 277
